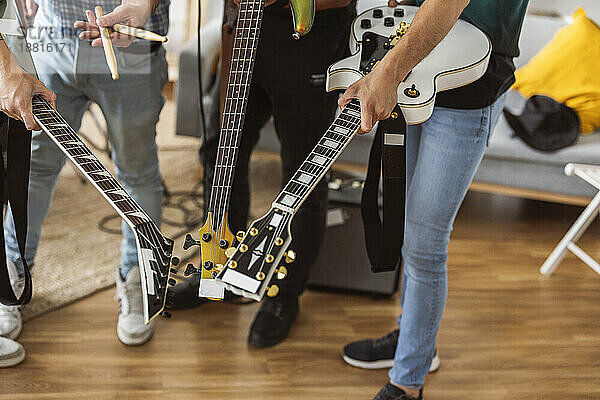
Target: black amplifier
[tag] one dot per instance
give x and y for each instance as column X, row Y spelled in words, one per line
column 342, row 264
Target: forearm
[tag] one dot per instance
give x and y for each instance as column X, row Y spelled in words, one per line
column 430, row 25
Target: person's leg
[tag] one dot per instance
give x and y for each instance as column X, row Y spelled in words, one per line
column 131, row 107
column 298, row 135
column 451, row 146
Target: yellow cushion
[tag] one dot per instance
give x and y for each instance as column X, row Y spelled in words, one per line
column 568, row 70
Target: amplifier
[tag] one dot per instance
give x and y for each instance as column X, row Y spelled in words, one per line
column 342, row 264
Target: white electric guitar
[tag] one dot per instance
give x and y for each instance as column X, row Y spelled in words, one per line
column 461, row 58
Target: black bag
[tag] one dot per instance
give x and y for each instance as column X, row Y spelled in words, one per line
column 545, row 124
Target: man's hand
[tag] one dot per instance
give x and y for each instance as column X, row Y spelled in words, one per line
column 377, row 94
column 132, row 13
column 30, row 7
column 17, row 88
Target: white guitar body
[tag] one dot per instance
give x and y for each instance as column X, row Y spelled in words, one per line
column 459, row 59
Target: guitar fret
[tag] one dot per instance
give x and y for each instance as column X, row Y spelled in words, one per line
column 321, row 158
column 236, row 98
column 86, row 161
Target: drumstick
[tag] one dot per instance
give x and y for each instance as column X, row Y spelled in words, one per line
column 108, row 49
column 140, row 33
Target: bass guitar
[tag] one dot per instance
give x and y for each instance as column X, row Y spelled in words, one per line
column 215, row 236
column 458, row 60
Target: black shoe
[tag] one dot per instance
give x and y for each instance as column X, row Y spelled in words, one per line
column 378, row 353
column 273, row 321
column 391, row 392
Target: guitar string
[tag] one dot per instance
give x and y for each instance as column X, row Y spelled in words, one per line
column 353, row 123
column 151, row 236
column 253, row 27
column 230, row 151
column 82, row 150
column 221, row 155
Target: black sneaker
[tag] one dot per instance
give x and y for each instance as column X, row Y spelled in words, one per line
column 378, row 353
column 273, row 321
column 391, row 392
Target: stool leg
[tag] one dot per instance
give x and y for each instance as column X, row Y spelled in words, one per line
column 578, row 228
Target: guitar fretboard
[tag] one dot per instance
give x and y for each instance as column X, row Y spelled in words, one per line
column 66, row 138
column 321, row 158
column 240, row 76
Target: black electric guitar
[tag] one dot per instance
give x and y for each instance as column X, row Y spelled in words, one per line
column 459, row 59
column 215, row 236
column 154, row 250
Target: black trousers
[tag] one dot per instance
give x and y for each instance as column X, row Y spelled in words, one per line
column 288, row 85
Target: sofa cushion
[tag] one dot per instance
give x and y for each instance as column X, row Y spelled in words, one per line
column 566, row 69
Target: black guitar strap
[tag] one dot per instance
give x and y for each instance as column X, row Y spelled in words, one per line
column 14, row 183
column 388, row 154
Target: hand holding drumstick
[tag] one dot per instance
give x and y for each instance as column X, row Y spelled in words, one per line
column 125, row 19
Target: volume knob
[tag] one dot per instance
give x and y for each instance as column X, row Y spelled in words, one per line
column 378, row 13
column 365, row 23
column 388, row 21
column 399, row 12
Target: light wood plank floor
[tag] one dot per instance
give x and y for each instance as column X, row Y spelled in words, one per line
column 508, row 333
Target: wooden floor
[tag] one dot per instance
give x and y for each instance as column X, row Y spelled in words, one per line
column 508, row 333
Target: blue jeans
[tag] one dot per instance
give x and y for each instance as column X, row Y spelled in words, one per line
column 78, row 74
column 443, row 154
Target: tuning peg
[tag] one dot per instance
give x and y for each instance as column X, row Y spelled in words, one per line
column 269, row 258
column 175, row 261
column 189, row 270
column 219, row 267
column 166, row 314
column 253, row 231
column 229, row 252
column 260, row 276
column 281, row 272
column 240, row 235
column 290, row 256
column 243, row 248
column 172, row 282
column 272, row 290
column 232, row 264
column 278, row 241
column 189, row 242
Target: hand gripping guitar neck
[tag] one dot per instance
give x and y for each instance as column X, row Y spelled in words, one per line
column 459, row 59
column 215, row 235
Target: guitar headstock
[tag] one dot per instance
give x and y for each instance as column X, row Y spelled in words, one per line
column 155, row 259
column 258, row 258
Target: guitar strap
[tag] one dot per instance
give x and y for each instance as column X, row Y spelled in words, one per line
column 14, row 183
column 388, row 155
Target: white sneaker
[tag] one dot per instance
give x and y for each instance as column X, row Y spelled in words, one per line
column 11, row 353
column 131, row 328
column 11, row 323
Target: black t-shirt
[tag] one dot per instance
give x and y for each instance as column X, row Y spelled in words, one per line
column 501, row 20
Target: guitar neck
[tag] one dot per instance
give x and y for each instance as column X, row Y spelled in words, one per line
column 69, row 142
column 240, row 77
column 320, row 159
